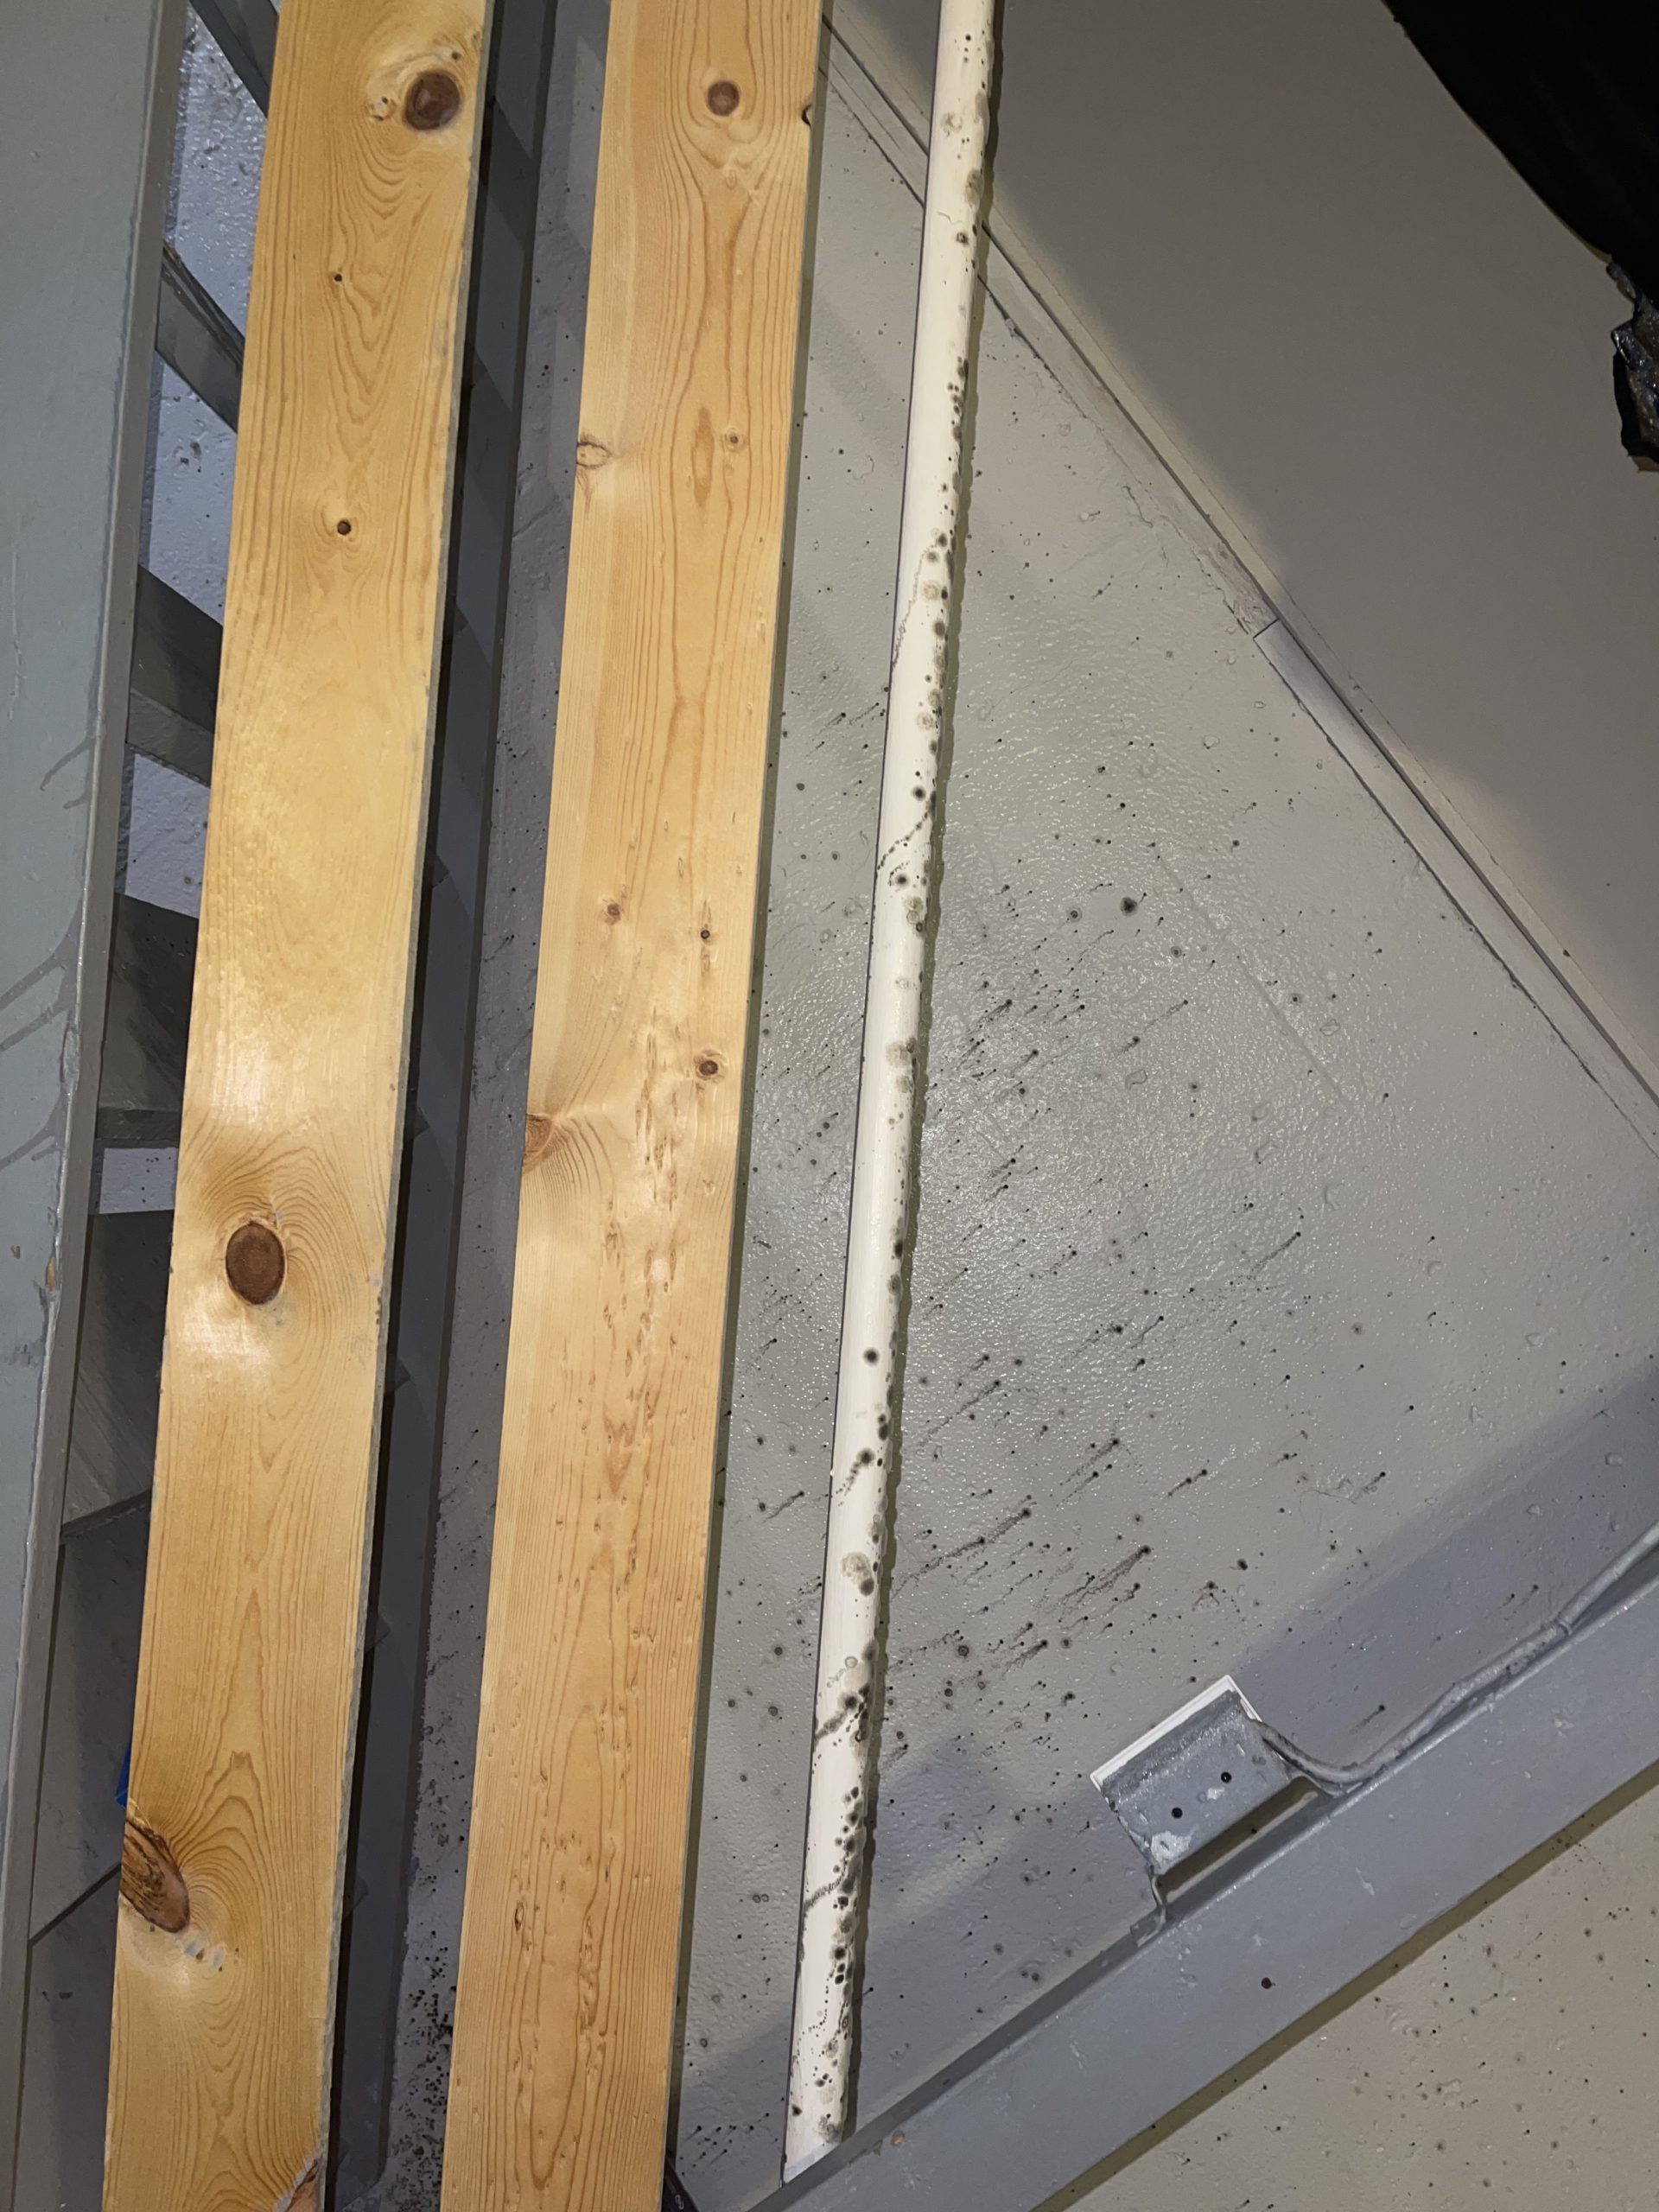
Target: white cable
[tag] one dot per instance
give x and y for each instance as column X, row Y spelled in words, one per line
column 867, row 1386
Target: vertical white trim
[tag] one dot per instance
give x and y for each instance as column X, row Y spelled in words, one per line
column 868, row 1389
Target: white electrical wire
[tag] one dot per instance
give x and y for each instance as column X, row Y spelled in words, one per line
column 867, row 1386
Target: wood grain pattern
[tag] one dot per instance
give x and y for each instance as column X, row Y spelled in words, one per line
column 292, row 1109
column 577, row 1851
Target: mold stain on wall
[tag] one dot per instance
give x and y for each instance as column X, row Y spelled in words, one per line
column 1268, row 1239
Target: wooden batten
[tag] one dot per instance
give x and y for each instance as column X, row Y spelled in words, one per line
column 271, row 1378
column 576, row 1852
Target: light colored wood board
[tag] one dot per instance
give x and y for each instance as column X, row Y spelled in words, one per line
column 267, row 1438
column 577, row 1851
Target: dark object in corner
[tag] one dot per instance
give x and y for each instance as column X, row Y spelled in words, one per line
column 674, row 2196
column 1568, row 91
column 1636, row 373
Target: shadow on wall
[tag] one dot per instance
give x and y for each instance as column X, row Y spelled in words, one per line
column 1448, row 1594
column 1320, row 2018
column 1382, row 367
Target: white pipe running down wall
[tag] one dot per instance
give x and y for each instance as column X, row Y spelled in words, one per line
column 869, row 1383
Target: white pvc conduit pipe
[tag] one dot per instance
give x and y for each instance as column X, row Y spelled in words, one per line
column 868, row 1389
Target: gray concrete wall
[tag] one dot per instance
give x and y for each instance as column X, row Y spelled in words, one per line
column 1502, row 2065
column 1385, row 366
column 83, row 214
column 1270, row 1239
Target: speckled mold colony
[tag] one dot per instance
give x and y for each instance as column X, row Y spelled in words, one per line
column 1267, row 1234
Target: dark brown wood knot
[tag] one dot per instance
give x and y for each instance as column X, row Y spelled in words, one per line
column 255, row 1262
column 540, row 1137
column 150, row 1880
column 432, row 100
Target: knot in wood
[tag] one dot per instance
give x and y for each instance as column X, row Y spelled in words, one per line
column 255, row 1262
column 432, row 100
column 150, row 1880
column 723, row 97
column 539, row 1138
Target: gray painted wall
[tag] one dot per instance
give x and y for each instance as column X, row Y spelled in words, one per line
column 1504, row 2065
column 1269, row 1238
column 1384, row 364
column 84, row 207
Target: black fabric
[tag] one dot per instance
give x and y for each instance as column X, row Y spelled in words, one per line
column 1568, row 90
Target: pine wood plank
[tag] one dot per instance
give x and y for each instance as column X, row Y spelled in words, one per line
column 576, row 1850
column 272, row 1373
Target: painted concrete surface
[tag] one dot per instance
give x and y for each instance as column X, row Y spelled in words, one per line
column 215, row 193
column 60, row 2141
column 1387, row 366
column 1269, row 1241
column 1508, row 2065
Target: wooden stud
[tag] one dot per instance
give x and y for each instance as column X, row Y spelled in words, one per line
column 272, row 1375
column 576, row 1853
